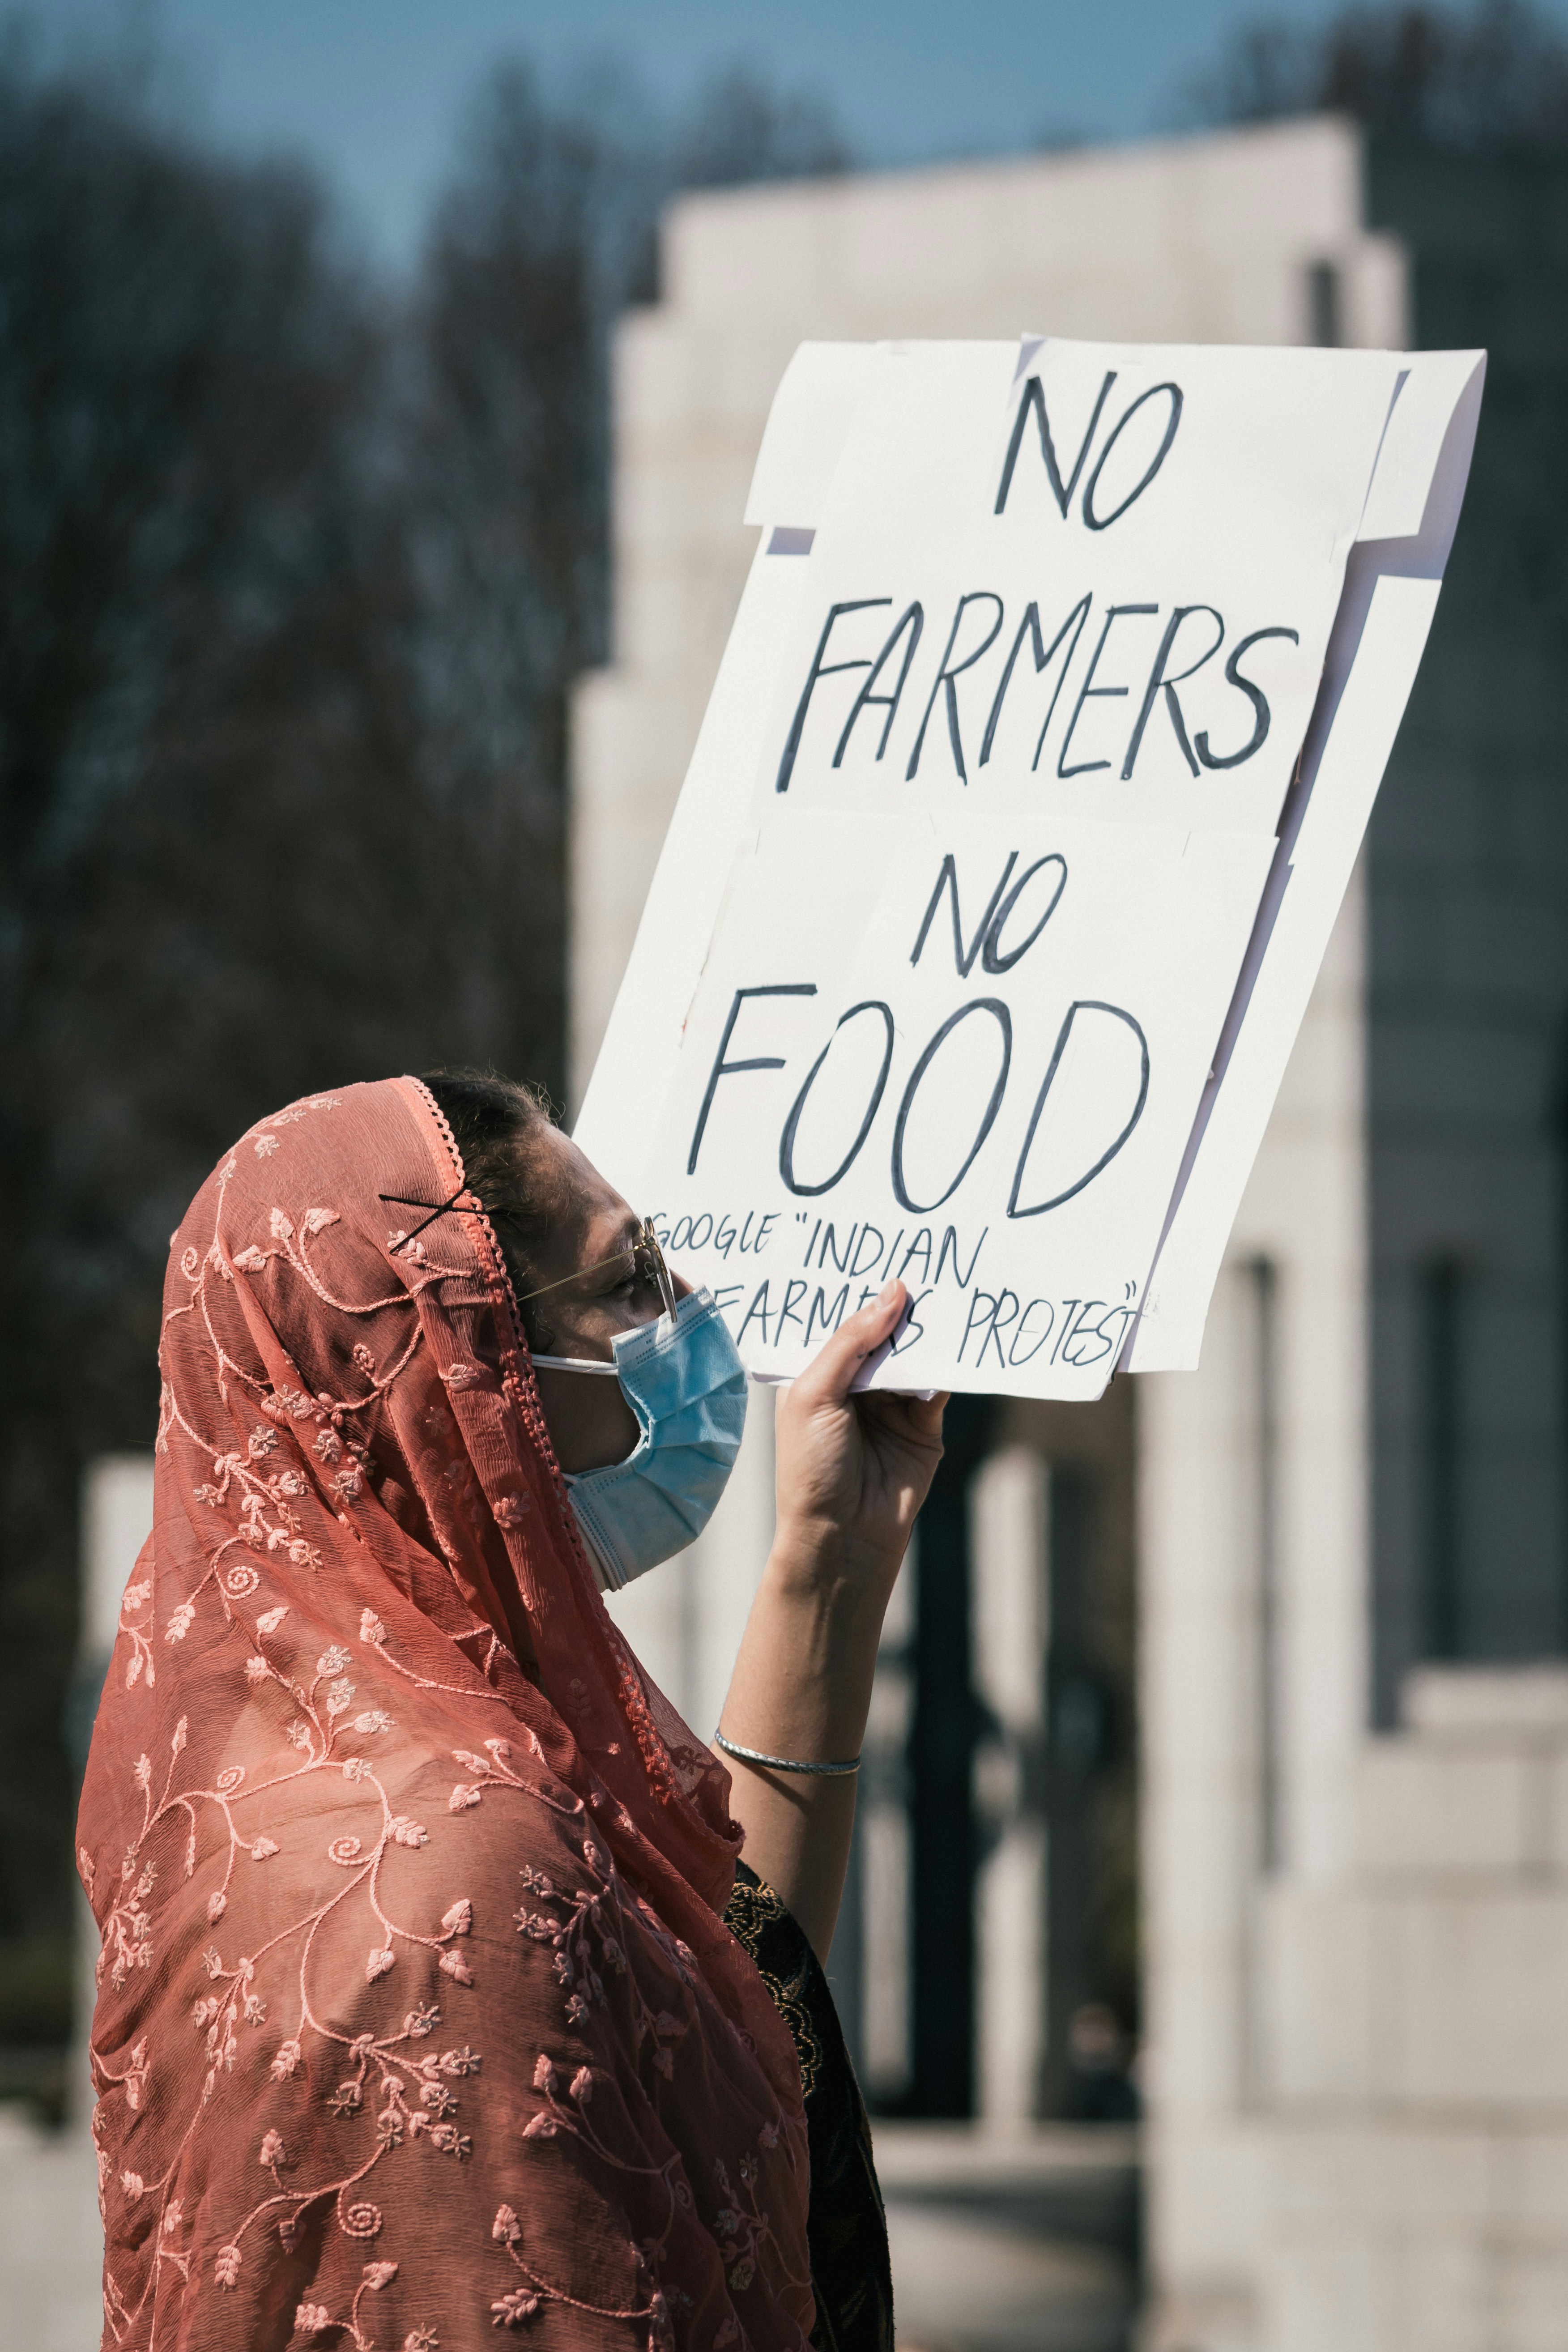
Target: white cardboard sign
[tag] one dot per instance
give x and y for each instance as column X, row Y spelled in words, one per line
column 999, row 878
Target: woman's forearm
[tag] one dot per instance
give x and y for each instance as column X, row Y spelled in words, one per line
column 801, row 1688
column 853, row 1471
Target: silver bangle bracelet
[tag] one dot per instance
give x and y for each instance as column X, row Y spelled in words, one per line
column 783, row 1763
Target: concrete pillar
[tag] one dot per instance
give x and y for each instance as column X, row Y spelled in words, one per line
column 1009, row 1589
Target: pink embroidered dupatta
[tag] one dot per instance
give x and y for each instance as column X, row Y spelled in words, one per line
column 416, row 2019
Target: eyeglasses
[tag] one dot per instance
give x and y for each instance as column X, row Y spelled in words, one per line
column 648, row 1264
column 647, row 1258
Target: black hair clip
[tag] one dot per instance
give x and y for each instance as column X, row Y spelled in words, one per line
column 402, row 1202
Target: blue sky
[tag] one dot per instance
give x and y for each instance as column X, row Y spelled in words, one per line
column 374, row 91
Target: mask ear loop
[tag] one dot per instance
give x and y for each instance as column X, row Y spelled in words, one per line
column 575, row 1364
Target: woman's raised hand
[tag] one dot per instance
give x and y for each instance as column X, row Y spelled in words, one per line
column 853, row 1471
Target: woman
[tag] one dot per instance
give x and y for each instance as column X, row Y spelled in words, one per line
column 419, row 2014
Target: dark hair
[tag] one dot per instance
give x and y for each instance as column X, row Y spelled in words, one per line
column 495, row 1123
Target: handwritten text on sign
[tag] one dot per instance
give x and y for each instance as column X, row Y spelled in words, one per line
column 1123, row 587
column 966, row 1077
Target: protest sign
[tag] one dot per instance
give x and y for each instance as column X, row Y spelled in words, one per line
column 972, row 954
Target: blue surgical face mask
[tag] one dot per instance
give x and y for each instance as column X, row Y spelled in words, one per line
column 684, row 1380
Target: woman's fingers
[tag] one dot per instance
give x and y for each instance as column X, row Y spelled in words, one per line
column 910, row 1422
column 925, row 1416
column 826, row 1377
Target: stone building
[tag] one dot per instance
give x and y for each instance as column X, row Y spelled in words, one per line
column 1286, row 1627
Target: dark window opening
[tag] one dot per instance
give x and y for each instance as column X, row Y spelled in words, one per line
column 1265, row 1282
column 1323, row 322
column 1440, row 1312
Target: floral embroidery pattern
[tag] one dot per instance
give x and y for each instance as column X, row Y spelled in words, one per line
column 334, row 1978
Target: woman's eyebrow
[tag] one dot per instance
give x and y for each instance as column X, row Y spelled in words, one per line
column 605, row 1260
column 628, row 1233
column 600, row 1263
